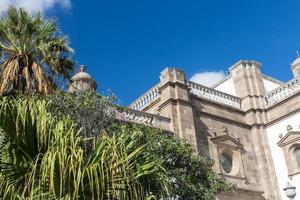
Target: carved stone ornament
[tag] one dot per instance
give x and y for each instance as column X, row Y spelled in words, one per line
column 212, row 132
column 225, row 130
column 291, row 137
column 228, row 154
column 289, row 144
column 289, row 128
column 228, row 141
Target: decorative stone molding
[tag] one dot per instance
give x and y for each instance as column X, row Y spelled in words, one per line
column 289, row 128
column 140, row 117
column 225, row 145
column 289, row 143
column 282, row 92
column 214, row 95
column 150, row 96
column 225, row 130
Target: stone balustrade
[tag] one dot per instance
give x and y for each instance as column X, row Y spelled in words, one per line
column 282, row 92
column 150, row 96
column 215, row 95
column 140, row 117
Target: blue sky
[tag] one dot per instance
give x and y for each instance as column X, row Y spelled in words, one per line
column 126, row 44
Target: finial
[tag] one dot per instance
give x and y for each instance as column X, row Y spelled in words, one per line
column 82, row 68
column 213, row 132
column 297, row 52
column 289, row 128
column 225, row 130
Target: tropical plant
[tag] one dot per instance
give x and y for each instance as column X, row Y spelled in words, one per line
column 42, row 158
column 34, row 55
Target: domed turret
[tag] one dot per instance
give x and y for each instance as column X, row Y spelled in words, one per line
column 82, row 81
column 296, row 67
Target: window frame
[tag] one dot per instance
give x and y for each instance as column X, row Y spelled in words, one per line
column 297, row 157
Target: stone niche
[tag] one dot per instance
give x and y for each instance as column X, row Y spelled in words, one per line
column 290, row 145
column 228, row 155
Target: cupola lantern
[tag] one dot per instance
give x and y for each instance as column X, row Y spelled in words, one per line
column 295, row 66
column 82, row 81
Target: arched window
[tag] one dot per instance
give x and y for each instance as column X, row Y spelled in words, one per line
column 226, row 162
column 297, row 156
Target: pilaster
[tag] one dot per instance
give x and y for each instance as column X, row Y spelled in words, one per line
column 249, row 87
column 175, row 104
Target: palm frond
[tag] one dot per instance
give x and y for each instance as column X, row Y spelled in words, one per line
column 35, row 51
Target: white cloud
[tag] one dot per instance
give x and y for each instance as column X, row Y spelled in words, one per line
column 34, row 5
column 208, row 78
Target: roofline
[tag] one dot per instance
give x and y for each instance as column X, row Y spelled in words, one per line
column 274, row 80
column 244, row 63
column 220, row 82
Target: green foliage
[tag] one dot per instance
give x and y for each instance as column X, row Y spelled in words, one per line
column 41, row 158
column 91, row 112
column 191, row 176
column 34, row 55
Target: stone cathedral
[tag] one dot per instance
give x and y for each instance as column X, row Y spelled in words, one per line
column 249, row 123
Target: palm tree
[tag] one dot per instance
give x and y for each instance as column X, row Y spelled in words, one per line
column 33, row 53
column 41, row 157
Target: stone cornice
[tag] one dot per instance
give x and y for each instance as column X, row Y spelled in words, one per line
column 245, row 63
column 253, row 96
column 283, row 117
column 173, row 84
column 255, row 110
column 218, row 104
column 257, row 125
column 174, row 102
column 225, row 119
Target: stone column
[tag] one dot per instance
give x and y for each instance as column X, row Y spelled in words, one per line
column 249, row 86
column 175, row 104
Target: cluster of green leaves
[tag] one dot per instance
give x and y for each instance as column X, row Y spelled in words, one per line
column 191, row 176
column 42, row 158
column 91, row 111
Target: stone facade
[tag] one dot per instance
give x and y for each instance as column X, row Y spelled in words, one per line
column 233, row 123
